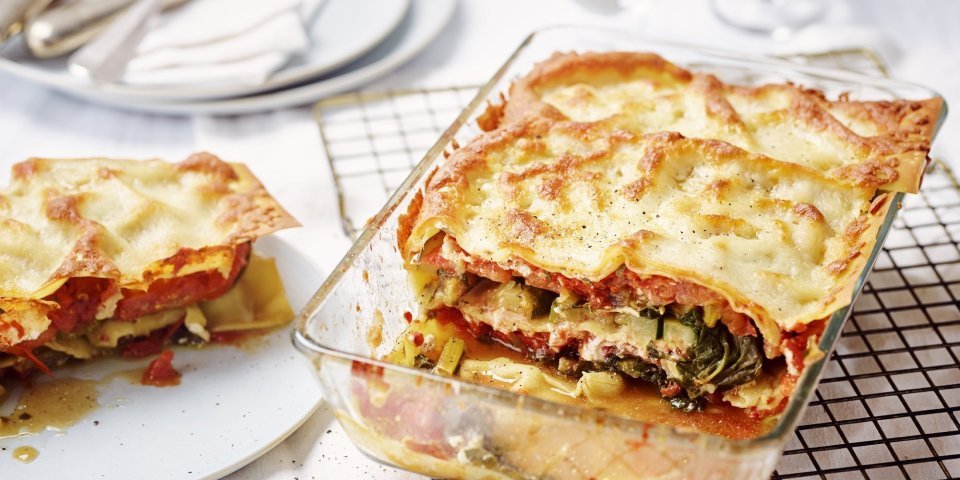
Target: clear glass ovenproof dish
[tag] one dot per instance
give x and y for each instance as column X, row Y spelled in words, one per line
column 389, row 411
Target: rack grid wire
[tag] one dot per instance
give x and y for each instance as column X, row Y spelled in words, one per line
column 888, row 405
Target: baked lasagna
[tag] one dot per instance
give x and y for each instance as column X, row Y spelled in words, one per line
column 626, row 217
column 101, row 256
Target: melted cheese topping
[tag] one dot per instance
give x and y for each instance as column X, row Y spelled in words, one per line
column 128, row 221
column 781, row 242
column 875, row 144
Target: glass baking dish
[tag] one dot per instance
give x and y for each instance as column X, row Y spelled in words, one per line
column 391, row 411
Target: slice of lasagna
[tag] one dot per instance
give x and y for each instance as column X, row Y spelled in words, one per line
column 624, row 215
column 102, row 256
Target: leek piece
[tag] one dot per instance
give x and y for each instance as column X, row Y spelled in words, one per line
column 450, row 357
column 567, row 366
column 410, row 352
column 600, row 385
column 711, row 313
column 679, row 334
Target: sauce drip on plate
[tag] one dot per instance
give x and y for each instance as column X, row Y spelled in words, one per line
column 55, row 404
column 25, row 454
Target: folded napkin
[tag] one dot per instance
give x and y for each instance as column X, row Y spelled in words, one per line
column 208, row 42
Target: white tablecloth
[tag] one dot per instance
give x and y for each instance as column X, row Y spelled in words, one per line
column 919, row 38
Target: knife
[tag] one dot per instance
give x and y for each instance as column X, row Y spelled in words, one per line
column 69, row 25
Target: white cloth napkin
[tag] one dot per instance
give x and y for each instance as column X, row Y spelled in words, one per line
column 208, row 42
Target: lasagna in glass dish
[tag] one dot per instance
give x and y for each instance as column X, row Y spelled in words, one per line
column 616, row 264
column 625, row 220
column 119, row 257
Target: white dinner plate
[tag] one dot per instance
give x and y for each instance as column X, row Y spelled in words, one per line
column 233, row 404
column 422, row 23
column 341, row 32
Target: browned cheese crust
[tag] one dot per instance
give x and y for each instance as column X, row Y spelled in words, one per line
column 877, row 144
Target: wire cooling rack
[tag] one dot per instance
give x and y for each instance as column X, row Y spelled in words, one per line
column 888, row 405
column 373, row 140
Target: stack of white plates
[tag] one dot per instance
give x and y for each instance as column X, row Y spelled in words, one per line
column 352, row 42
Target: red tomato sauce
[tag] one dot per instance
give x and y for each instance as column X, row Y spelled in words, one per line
column 160, row 372
column 167, row 293
column 78, row 299
column 612, row 291
column 152, row 344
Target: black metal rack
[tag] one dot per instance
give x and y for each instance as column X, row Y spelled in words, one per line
column 888, row 405
column 889, row 402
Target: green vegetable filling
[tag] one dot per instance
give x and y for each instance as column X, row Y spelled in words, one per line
column 719, row 357
column 717, row 361
column 686, row 355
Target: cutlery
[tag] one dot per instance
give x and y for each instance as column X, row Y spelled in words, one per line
column 15, row 13
column 68, row 26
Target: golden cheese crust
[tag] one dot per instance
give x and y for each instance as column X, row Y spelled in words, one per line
column 130, row 222
column 781, row 242
column 880, row 144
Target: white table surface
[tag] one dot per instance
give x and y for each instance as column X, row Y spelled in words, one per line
column 919, row 38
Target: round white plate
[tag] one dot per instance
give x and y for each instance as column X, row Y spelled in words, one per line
column 423, row 22
column 232, row 406
column 341, row 32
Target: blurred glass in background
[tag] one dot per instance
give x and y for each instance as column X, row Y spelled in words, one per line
column 778, row 18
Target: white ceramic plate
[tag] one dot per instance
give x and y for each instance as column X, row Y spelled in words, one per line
column 423, row 22
column 341, row 32
column 232, row 406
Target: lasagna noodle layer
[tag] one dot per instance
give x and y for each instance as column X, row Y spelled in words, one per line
column 131, row 222
column 874, row 143
column 256, row 300
column 782, row 243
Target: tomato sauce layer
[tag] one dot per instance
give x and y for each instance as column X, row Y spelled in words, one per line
column 617, row 289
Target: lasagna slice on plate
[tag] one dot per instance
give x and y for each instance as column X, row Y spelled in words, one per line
column 101, row 256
